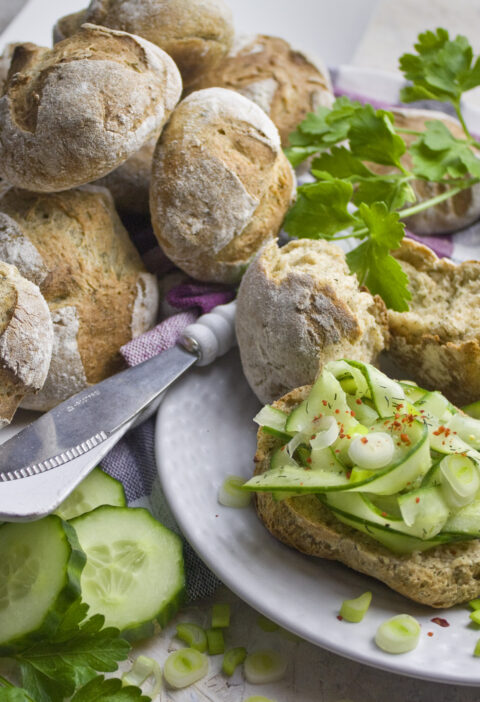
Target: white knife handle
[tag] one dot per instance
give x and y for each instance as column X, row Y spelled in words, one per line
column 212, row 335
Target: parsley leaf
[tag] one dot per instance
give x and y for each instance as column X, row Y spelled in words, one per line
column 339, row 162
column 111, row 690
column 14, row 694
column 320, row 210
column 372, row 262
column 437, row 153
column 441, row 70
column 373, row 138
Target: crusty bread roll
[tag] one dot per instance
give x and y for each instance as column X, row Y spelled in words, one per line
column 299, row 307
column 455, row 212
column 221, row 184
column 69, row 24
column 195, row 33
column 71, row 114
column 437, row 343
column 285, row 83
column 440, row 577
column 73, row 245
column 26, row 339
column 130, row 182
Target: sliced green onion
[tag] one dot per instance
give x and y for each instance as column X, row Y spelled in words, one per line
column 271, row 417
column 184, row 667
column 398, row 634
column 142, row 669
column 474, row 604
column 476, row 650
column 265, row 666
column 230, row 493
column 326, row 432
column 193, row 635
column 266, row 624
column 233, row 658
column 475, row 616
column 220, row 616
column 372, row 451
column 215, row 641
column 460, row 480
column 354, row 610
column 467, row 428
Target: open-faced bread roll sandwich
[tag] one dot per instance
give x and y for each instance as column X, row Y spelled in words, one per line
column 379, row 475
column 74, row 247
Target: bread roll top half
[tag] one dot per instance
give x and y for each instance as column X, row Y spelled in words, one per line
column 285, row 83
column 299, row 307
column 221, row 184
column 26, row 339
column 195, row 33
column 73, row 245
column 73, row 113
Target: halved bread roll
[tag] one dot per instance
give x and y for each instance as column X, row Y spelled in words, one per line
column 440, row 577
column 26, row 339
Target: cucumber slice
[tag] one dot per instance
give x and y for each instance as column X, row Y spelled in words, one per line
column 425, row 511
column 96, row 489
column 434, row 404
column 465, row 521
column 412, row 391
column 387, row 395
column 40, row 567
column 134, row 573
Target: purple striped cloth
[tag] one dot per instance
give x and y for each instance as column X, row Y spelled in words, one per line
column 132, row 461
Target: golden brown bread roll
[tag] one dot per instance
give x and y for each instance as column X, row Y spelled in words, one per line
column 68, row 25
column 74, row 247
column 221, row 184
column 71, row 114
column 285, row 83
column 195, row 33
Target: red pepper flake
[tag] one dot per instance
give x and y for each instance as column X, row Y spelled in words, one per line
column 364, row 440
column 417, row 500
column 358, row 401
column 404, row 438
column 313, row 436
column 352, row 413
column 430, row 633
column 400, row 405
column 348, row 436
column 440, row 621
column 301, row 483
column 384, row 514
column 309, row 460
column 337, row 450
column 349, row 473
column 324, row 403
column 337, row 411
column 339, row 617
column 440, row 430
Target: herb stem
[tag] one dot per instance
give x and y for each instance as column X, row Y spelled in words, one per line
column 456, row 105
column 409, row 211
column 4, row 682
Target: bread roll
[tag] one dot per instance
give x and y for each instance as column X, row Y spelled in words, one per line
column 26, row 339
column 130, row 182
column 299, row 307
column 195, row 33
column 73, row 245
column 452, row 214
column 283, row 82
column 221, row 184
column 68, row 25
column 71, row 114
column 437, row 343
column 440, row 577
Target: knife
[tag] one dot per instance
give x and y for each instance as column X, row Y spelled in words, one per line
column 45, row 461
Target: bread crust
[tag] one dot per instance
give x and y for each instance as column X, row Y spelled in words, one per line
column 67, row 25
column 195, row 33
column 437, row 342
column 221, row 184
column 26, row 339
column 72, row 114
column 298, row 307
column 285, row 83
column 441, row 577
column 99, row 293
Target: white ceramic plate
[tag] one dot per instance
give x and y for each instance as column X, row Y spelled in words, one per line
column 205, row 432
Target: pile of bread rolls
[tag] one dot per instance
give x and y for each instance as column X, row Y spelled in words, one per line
column 155, row 107
column 97, row 124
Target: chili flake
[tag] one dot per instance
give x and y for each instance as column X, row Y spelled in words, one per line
column 440, row 621
column 364, row 440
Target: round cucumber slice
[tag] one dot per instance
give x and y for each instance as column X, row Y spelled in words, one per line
column 40, row 567
column 96, row 489
column 134, row 573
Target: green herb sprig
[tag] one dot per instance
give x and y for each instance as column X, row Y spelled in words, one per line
column 68, row 664
column 349, row 199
